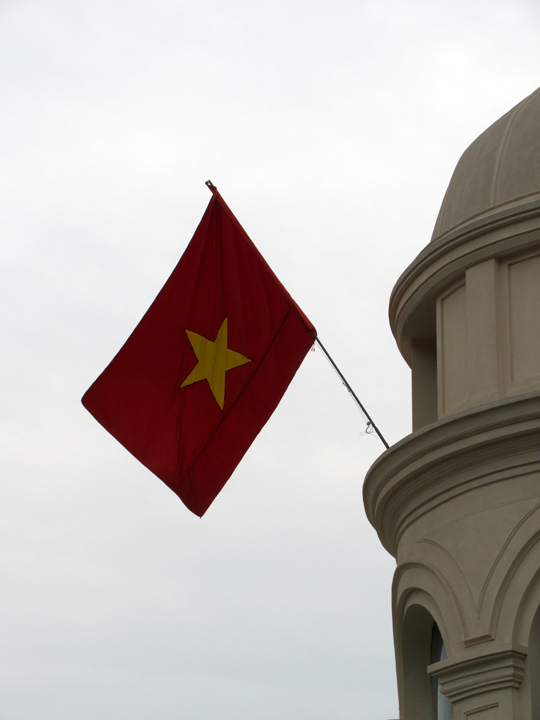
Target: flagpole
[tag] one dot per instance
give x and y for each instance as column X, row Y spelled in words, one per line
column 213, row 189
column 370, row 422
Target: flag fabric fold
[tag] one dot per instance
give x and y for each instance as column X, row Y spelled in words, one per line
column 207, row 365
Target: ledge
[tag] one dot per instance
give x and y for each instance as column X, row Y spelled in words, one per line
column 429, row 466
column 499, row 233
column 463, row 677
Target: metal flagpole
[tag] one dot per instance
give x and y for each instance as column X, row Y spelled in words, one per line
column 369, row 421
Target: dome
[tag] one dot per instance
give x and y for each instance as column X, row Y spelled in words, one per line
column 498, row 172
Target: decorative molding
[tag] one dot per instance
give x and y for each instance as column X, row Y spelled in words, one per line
column 449, row 457
column 518, row 525
column 489, row 706
column 505, row 538
column 465, row 677
column 455, row 565
column 478, row 640
column 502, row 231
column 517, row 563
column 444, row 606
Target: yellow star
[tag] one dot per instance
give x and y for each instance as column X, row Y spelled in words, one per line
column 214, row 359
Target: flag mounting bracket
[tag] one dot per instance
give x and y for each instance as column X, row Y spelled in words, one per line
column 369, row 421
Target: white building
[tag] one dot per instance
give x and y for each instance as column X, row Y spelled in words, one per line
column 457, row 502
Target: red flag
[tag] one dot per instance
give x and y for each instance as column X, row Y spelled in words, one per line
column 207, row 365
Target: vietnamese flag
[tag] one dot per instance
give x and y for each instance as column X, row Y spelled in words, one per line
column 207, row 365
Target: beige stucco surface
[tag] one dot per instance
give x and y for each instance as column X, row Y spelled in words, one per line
column 500, row 168
column 457, row 502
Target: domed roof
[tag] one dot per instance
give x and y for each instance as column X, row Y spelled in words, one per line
column 501, row 169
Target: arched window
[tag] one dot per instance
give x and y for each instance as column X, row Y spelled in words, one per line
column 440, row 704
column 533, row 666
column 416, row 683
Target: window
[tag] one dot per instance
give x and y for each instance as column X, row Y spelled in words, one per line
column 440, row 703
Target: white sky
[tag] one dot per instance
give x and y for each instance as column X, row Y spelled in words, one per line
column 331, row 129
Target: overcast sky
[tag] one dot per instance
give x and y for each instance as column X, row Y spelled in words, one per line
column 331, row 129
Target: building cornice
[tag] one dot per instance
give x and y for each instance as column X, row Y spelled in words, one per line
column 466, row 676
column 499, row 233
column 447, row 458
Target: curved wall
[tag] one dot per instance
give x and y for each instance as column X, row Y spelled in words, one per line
column 457, row 502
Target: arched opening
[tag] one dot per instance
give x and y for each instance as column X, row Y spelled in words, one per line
column 440, row 704
column 422, row 645
column 533, row 662
column 416, row 649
